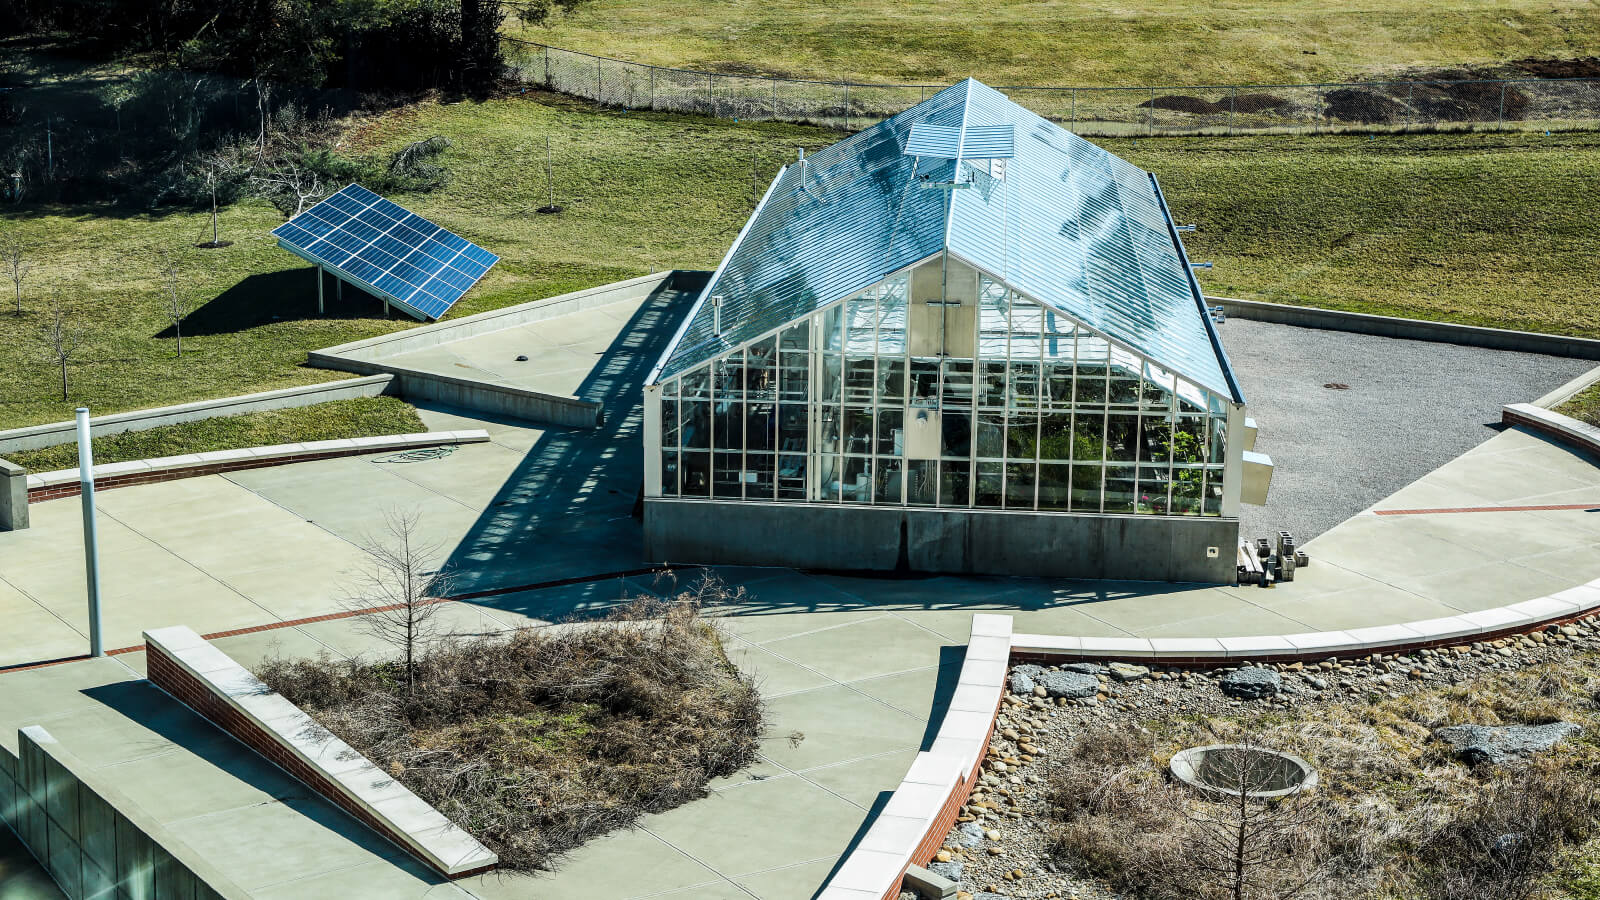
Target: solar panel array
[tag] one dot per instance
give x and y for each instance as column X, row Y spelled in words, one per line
column 388, row 249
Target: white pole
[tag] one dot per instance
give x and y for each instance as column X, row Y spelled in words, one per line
column 319, row 290
column 91, row 548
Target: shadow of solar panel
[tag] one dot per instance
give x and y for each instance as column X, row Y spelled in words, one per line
column 388, row 250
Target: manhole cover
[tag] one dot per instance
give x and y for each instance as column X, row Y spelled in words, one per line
column 1229, row 769
column 1336, row 386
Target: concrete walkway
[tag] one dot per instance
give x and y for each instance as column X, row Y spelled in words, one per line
column 856, row 665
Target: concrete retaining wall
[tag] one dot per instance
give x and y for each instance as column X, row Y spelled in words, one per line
column 367, row 356
column 65, row 482
column 94, row 841
column 206, row 680
column 376, row 348
column 1578, row 435
column 13, row 497
column 35, row 436
column 1410, row 329
column 980, row 542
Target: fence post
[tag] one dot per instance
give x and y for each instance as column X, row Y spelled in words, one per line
column 847, row 106
column 1411, row 111
column 1500, row 119
column 652, row 87
column 547, row 68
column 598, row 92
column 1233, row 103
column 1074, row 127
column 1152, row 117
column 711, row 96
column 774, row 98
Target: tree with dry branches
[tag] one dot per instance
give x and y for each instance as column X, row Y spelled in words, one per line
column 14, row 256
column 1248, row 847
column 61, row 339
column 397, row 593
column 290, row 187
column 175, row 301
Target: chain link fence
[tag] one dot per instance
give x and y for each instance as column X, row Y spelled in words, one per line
column 1228, row 109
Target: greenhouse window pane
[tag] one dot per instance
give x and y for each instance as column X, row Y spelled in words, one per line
column 991, row 481
column 1120, row 488
column 957, row 433
column 696, row 473
column 1055, row 486
column 922, row 482
column 1086, row 488
column 955, row 485
column 727, row 476
column 1019, row 485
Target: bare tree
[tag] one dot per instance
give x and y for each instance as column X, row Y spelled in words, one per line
column 1245, row 847
column 218, row 169
column 175, row 300
column 14, row 256
column 290, row 187
column 397, row 594
column 61, row 339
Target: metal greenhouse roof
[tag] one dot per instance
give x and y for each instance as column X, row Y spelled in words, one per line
column 1065, row 222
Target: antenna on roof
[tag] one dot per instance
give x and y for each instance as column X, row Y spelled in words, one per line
column 802, row 157
column 716, row 315
column 1184, row 227
column 1204, row 265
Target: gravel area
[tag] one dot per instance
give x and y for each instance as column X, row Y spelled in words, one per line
column 1000, row 844
column 1409, row 407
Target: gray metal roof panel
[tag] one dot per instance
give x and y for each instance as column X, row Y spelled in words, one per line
column 1070, row 224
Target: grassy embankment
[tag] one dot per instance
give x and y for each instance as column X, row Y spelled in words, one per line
column 1075, row 42
column 1490, row 229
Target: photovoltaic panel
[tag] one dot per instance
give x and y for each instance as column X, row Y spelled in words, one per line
column 388, row 250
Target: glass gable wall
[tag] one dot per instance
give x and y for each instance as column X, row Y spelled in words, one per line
column 940, row 386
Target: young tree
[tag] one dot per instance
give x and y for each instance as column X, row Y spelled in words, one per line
column 1243, row 847
column 61, row 339
column 219, row 170
column 175, row 300
column 14, row 256
column 396, row 594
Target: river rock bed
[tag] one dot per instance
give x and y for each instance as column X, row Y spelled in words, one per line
column 999, row 847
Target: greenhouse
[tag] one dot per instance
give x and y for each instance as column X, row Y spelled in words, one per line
column 961, row 340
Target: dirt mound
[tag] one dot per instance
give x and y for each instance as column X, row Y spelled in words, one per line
column 1360, row 105
column 1583, row 67
column 1257, row 103
column 1180, row 103
column 1472, row 101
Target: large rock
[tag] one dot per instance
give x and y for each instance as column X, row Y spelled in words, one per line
column 1127, row 671
column 1251, row 683
column 1497, row 744
column 1072, row 685
column 1021, row 684
column 969, row 835
column 1028, row 669
column 950, row 870
column 1087, row 668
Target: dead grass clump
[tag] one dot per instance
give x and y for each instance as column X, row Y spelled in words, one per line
column 1397, row 816
column 538, row 741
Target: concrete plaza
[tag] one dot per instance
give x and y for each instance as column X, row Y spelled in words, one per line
column 860, row 666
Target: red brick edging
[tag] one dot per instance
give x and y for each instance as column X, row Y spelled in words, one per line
column 104, row 483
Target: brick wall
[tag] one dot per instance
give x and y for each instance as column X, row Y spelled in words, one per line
column 167, row 674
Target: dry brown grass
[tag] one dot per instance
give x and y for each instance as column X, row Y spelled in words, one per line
column 538, row 741
column 1399, row 817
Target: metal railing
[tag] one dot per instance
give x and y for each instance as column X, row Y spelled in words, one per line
column 1522, row 103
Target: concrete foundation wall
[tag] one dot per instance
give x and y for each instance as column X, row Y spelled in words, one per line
column 1147, row 548
column 36, row 436
column 92, row 840
column 495, row 399
column 1410, row 329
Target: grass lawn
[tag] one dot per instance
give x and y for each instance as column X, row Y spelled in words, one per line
column 1585, row 406
column 1074, row 42
column 357, row 417
column 1489, row 229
